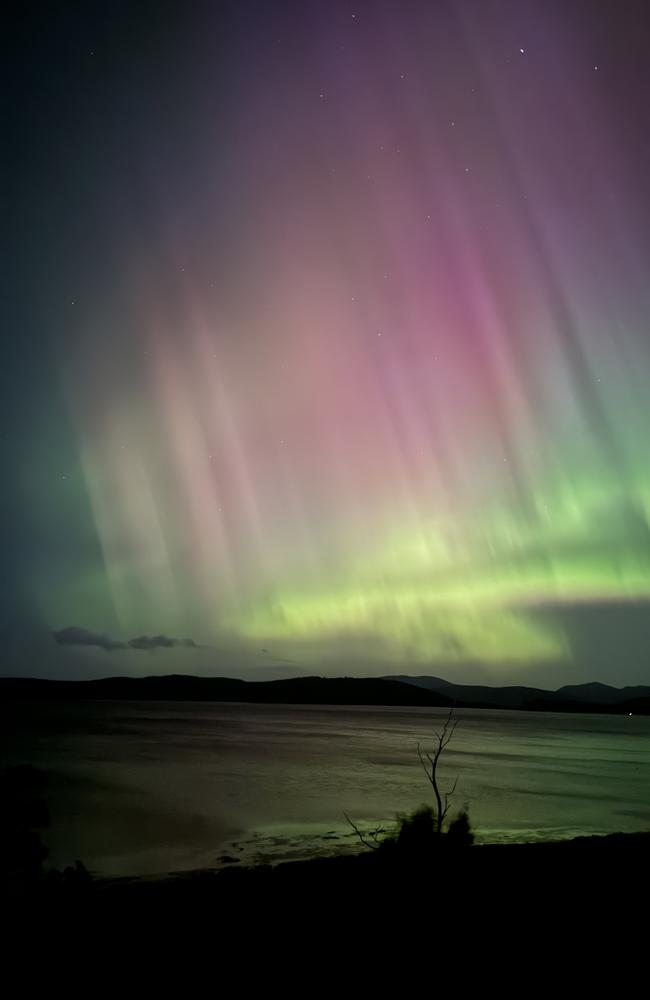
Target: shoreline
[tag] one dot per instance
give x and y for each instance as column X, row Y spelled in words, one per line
column 539, row 882
column 511, row 882
column 611, row 848
column 275, row 846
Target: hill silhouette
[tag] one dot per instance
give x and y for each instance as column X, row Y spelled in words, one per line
column 423, row 691
column 590, row 697
column 181, row 687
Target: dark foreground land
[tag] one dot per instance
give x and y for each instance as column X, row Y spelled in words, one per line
column 506, row 916
column 554, row 875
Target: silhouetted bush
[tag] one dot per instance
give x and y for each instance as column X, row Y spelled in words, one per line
column 416, row 836
column 460, row 833
column 24, row 813
column 416, row 832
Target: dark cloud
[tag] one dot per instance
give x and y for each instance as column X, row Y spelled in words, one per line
column 75, row 636
column 159, row 642
column 608, row 639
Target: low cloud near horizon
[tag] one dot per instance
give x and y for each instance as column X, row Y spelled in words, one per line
column 73, row 635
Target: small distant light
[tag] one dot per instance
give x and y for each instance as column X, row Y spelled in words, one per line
column 629, row 713
column 522, row 51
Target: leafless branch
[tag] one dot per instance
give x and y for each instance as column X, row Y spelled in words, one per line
column 374, row 843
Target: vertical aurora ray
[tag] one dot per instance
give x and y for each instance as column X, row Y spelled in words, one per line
column 393, row 385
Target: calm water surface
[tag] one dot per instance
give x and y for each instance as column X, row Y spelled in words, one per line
column 142, row 787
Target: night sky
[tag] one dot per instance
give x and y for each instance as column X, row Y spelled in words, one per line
column 326, row 340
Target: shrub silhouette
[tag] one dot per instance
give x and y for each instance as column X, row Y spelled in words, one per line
column 416, row 833
column 417, row 837
column 460, row 833
column 24, row 813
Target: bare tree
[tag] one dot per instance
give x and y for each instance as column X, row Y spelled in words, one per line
column 374, row 839
column 429, row 762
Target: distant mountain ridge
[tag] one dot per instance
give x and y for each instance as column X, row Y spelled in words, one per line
column 423, row 691
column 186, row 687
column 592, row 696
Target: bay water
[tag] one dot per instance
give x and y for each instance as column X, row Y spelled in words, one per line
column 151, row 787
